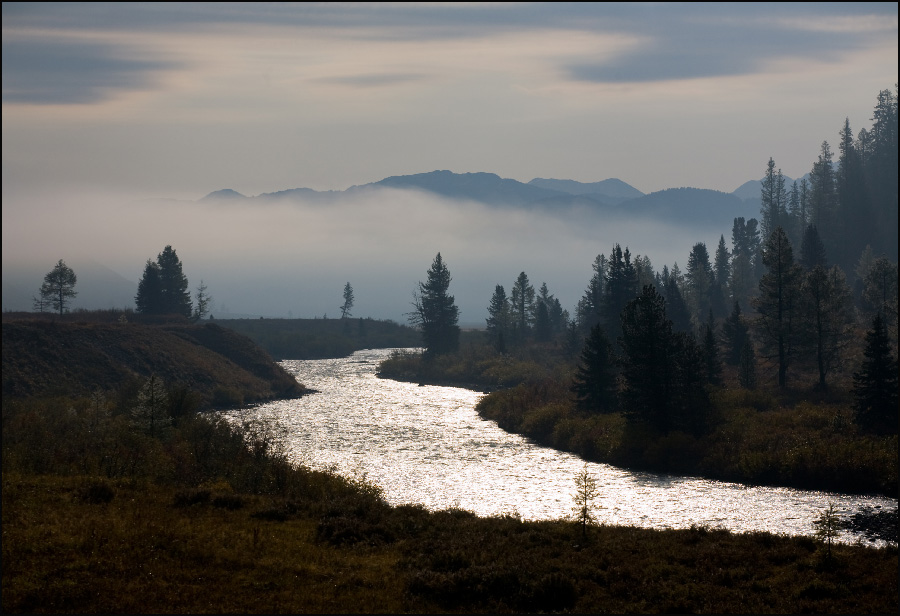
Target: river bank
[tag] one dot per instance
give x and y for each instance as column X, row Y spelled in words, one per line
column 233, row 527
column 799, row 439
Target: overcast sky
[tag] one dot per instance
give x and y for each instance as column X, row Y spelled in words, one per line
column 177, row 100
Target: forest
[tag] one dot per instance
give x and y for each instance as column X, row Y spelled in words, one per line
column 772, row 360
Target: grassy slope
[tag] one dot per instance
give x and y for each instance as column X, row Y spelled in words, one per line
column 75, row 358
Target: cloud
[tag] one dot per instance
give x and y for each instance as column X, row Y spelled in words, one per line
column 369, row 81
column 46, row 71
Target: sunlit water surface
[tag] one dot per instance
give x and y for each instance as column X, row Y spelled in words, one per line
column 427, row 445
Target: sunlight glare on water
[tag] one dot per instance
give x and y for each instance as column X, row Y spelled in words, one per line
column 427, row 445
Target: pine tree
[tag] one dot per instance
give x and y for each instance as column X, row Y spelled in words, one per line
column 522, row 307
column 435, row 311
column 736, row 333
column 149, row 291
column 621, row 285
column 676, row 308
column 203, row 302
column 875, row 385
column 176, row 299
column 823, row 198
column 347, row 306
column 880, row 291
column 648, row 366
column 747, row 368
column 774, row 200
column 594, row 385
column 778, row 303
column 498, row 321
column 827, row 316
column 812, row 250
column 712, row 363
column 699, row 277
column 722, row 264
column 589, row 311
column 59, row 287
column 163, row 289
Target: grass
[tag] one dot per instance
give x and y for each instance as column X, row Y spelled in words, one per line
column 101, row 516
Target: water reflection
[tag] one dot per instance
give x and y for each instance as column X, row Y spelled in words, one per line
column 426, row 445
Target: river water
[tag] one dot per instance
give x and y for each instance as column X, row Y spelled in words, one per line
column 427, row 445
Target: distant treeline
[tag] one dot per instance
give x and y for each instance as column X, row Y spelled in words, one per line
column 322, row 338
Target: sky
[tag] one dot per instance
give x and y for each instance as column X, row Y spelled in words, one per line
column 105, row 106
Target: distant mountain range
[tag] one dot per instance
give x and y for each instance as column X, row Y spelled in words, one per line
column 611, row 197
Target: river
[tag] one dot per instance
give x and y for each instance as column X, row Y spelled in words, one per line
column 427, row 445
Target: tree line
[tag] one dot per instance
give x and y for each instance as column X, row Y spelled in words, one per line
column 752, row 301
column 162, row 290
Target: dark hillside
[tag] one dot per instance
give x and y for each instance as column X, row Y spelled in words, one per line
column 45, row 358
column 322, row 338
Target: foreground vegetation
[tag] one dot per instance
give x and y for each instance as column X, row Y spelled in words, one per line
column 101, row 516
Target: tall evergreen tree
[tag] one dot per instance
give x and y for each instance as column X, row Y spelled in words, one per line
column 823, row 198
column 522, row 307
column 498, row 321
column 621, row 284
column 176, row 297
column 594, row 385
column 711, row 362
column 347, row 306
column 812, row 250
column 747, row 367
column 676, row 307
column 778, row 303
column 745, row 257
column 827, row 317
column 149, row 291
column 590, row 306
column 723, row 264
column 881, row 166
column 857, row 225
column 435, row 311
column 661, row 370
column 699, row 277
column 736, row 333
column 794, row 225
column 880, row 292
column 774, row 200
column 648, row 367
column 163, row 289
column 875, row 385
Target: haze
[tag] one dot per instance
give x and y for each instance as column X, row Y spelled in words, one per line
column 109, row 108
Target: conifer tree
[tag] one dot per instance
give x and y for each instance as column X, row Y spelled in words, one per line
column 712, row 363
column 662, row 371
column 747, row 368
column 163, row 289
column 594, row 385
column 59, row 287
column 498, row 321
column 875, row 385
column 778, row 303
column 827, row 318
column 435, row 311
column 736, row 333
column 812, row 250
column 522, row 307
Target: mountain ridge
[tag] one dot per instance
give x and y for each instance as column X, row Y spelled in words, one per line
column 612, row 196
